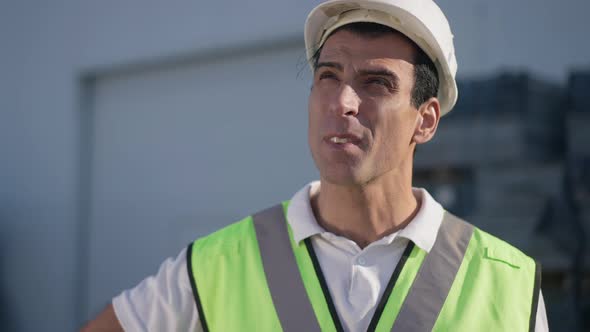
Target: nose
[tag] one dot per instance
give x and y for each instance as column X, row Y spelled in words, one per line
column 345, row 101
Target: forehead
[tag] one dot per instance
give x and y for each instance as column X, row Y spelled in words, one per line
column 347, row 46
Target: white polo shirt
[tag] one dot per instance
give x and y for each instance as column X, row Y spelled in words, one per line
column 356, row 277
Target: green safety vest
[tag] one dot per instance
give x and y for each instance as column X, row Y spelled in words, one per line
column 252, row 276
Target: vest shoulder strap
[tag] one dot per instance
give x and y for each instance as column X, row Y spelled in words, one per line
column 282, row 274
column 435, row 277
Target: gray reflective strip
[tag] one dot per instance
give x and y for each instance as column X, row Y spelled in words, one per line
column 282, row 273
column 437, row 273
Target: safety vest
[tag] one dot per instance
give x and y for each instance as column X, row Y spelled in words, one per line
column 252, row 276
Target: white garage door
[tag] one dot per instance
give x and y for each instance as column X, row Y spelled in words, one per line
column 181, row 150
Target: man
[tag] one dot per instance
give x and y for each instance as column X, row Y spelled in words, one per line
column 360, row 249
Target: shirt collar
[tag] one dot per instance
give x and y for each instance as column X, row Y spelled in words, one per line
column 422, row 230
column 300, row 215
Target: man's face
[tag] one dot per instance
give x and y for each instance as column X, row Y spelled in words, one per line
column 361, row 121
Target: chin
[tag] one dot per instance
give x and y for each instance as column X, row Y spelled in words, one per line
column 345, row 172
column 343, row 177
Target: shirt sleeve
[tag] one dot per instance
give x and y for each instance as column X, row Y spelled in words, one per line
column 162, row 302
column 541, row 324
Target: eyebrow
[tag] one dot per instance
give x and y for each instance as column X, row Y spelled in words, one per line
column 334, row 65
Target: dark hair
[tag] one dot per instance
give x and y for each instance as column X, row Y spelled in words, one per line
column 425, row 74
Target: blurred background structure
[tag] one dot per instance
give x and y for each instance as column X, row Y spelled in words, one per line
column 127, row 129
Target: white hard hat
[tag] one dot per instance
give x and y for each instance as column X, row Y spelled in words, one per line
column 420, row 20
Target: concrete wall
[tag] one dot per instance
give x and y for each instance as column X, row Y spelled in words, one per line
column 45, row 47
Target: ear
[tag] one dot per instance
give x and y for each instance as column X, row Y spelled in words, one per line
column 427, row 121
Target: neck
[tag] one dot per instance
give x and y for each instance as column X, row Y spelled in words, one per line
column 365, row 213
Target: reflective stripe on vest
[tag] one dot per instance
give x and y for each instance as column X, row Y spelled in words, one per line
column 282, row 274
column 431, row 287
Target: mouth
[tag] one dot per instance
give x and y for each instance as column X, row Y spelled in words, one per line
column 339, row 140
column 342, row 140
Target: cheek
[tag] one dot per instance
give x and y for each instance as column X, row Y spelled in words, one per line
column 311, row 111
column 395, row 129
column 317, row 104
column 313, row 116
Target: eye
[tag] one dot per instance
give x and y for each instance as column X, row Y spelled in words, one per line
column 327, row 75
column 379, row 81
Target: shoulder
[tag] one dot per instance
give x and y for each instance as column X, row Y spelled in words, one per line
column 230, row 237
column 496, row 248
column 488, row 246
column 224, row 238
